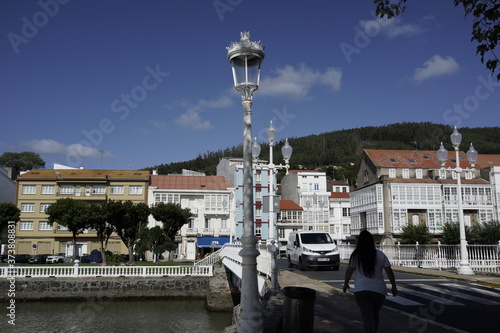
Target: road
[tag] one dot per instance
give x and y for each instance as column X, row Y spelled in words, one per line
column 459, row 305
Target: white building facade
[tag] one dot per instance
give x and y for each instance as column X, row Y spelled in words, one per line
column 210, row 199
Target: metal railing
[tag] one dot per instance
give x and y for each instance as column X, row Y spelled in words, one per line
column 108, row 271
column 482, row 258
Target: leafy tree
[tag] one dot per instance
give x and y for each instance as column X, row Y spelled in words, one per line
column 70, row 213
column 8, row 212
column 485, row 26
column 451, row 233
column 153, row 240
column 99, row 222
column 173, row 218
column 486, row 233
column 22, row 161
column 128, row 220
column 415, row 233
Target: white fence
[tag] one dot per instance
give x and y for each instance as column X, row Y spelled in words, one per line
column 107, row 271
column 482, row 258
column 231, row 251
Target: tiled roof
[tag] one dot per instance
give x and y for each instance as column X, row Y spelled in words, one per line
column 83, row 173
column 211, row 183
column 339, row 195
column 426, row 159
column 289, row 205
column 338, row 182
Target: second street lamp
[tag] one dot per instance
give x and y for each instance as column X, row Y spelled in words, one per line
column 273, row 235
column 246, row 57
column 442, row 154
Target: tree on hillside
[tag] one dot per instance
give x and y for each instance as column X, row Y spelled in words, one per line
column 8, row 212
column 72, row 214
column 22, row 161
column 173, row 217
column 128, row 221
column 485, row 26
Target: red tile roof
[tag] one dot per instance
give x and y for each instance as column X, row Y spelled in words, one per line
column 339, row 195
column 289, row 205
column 426, row 159
column 211, row 183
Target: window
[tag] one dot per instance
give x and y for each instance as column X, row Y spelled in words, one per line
column 43, row 207
column 28, row 207
column 135, row 190
column 217, row 201
column 167, row 198
column 66, row 189
column 316, row 187
column 98, row 189
column 207, row 223
column 44, row 225
column 406, row 173
column 258, row 230
column 26, row 225
column 392, row 173
column 29, row 189
column 468, row 174
column 62, row 227
column 48, row 189
column 393, row 160
column 442, row 173
column 116, row 189
column 223, row 223
column 346, row 212
column 419, row 173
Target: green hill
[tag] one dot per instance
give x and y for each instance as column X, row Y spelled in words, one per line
column 338, row 152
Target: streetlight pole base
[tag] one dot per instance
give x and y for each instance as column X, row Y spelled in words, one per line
column 465, row 270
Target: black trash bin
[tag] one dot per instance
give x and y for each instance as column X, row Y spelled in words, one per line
column 298, row 311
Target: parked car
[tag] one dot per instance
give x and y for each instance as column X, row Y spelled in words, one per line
column 58, row 258
column 39, row 259
column 22, row 258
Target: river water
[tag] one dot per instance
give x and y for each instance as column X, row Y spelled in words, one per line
column 168, row 316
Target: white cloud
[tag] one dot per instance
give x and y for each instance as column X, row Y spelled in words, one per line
column 191, row 118
column 49, row 146
column 390, row 28
column 296, row 83
column 436, row 66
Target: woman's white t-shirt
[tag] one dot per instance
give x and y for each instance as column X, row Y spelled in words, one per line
column 375, row 283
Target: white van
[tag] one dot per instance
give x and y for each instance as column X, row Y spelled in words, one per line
column 312, row 249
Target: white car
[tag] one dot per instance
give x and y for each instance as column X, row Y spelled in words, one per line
column 56, row 258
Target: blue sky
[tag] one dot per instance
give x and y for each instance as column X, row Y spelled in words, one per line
column 133, row 84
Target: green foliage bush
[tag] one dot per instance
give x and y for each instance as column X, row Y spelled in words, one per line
column 115, row 259
column 416, row 233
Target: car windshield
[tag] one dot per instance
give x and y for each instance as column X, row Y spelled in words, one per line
column 314, row 238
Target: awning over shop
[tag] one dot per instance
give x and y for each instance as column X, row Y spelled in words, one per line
column 206, row 242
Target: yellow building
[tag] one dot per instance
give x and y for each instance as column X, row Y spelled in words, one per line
column 38, row 189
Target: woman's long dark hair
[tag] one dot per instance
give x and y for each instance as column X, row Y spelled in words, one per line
column 365, row 253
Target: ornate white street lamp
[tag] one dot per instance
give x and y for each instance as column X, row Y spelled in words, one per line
column 246, row 57
column 286, row 151
column 442, row 155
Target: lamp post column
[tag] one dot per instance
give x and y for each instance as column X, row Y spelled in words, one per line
column 272, row 246
column 250, row 317
column 464, row 267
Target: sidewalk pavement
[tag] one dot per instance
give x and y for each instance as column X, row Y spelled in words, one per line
column 336, row 311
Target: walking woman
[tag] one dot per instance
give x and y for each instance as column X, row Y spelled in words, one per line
column 369, row 287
